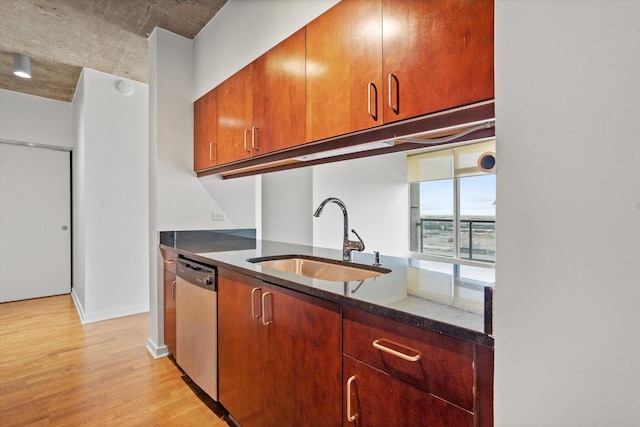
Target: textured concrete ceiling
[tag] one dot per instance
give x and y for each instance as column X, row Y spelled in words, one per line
column 62, row 36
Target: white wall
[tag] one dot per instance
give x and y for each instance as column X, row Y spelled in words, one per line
column 78, row 190
column 242, row 31
column 287, row 206
column 32, row 119
column 111, row 206
column 566, row 320
column 374, row 189
column 183, row 203
column 177, row 200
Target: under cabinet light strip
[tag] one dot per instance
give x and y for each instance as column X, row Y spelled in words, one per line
column 484, row 125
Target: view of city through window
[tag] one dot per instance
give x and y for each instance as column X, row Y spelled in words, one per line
column 477, row 231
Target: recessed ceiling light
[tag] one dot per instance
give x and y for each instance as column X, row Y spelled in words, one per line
column 22, row 66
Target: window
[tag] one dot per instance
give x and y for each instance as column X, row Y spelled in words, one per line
column 452, row 204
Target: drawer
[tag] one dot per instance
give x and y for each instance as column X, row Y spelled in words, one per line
column 373, row 398
column 169, row 258
column 436, row 363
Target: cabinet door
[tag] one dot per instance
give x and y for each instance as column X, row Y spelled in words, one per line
column 279, row 96
column 437, row 55
column 235, row 111
column 170, row 311
column 239, row 351
column 375, row 399
column 302, row 366
column 205, row 124
column 344, row 69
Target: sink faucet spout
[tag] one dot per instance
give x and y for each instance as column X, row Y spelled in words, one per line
column 347, row 245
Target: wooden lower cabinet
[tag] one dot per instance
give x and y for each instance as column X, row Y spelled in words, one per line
column 396, row 374
column 290, row 359
column 279, row 355
column 376, row 399
column 169, row 292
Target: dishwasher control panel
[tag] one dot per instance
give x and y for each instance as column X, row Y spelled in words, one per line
column 198, row 274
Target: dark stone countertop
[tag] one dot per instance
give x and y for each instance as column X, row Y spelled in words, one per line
column 427, row 298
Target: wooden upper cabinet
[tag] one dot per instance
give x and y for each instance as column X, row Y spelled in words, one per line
column 279, row 96
column 261, row 108
column 371, row 62
column 437, row 55
column 361, row 64
column 235, row 113
column 205, row 122
column 344, row 69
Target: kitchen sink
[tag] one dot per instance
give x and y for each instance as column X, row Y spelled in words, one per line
column 320, row 268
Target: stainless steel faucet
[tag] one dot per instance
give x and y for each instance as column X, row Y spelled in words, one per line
column 347, row 245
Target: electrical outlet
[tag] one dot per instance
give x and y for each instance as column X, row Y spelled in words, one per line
column 218, row 216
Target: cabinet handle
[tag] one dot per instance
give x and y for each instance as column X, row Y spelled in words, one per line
column 254, row 132
column 265, row 322
column 392, row 77
column 211, row 151
column 169, row 261
column 245, row 140
column 253, row 303
column 396, row 353
column 372, row 113
column 173, row 290
column 350, row 418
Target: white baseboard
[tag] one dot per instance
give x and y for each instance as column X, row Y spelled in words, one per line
column 106, row 315
column 155, row 351
column 76, row 302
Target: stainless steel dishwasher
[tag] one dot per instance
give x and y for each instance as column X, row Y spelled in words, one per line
column 196, row 323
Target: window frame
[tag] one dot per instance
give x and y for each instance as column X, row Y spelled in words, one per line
column 455, row 259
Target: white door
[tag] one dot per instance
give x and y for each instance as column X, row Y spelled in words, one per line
column 35, row 215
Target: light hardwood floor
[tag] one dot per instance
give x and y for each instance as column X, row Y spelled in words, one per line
column 55, row 371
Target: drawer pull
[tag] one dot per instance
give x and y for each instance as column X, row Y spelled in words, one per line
column 253, row 303
column 350, row 418
column 266, row 322
column 377, row 344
